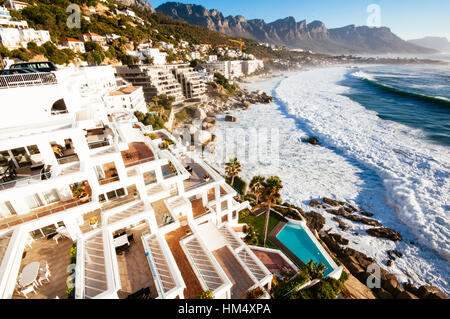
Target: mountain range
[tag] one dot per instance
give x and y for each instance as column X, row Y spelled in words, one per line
column 436, row 43
column 288, row 32
column 144, row 4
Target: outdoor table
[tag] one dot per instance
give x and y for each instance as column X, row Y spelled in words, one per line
column 121, row 241
column 29, row 274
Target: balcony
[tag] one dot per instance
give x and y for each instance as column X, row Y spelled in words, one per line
column 134, row 271
column 56, row 254
column 162, row 214
column 137, row 154
column 199, row 176
column 47, row 210
column 198, row 209
column 30, row 79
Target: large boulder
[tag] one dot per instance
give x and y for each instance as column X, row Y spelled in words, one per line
column 390, row 283
column 203, row 137
column 315, row 221
column 384, row 233
column 313, row 140
column 430, row 292
column 341, row 240
column 341, row 224
column 331, row 202
column 211, row 120
column 229, row 118
column 200, row 114
column 315, row 203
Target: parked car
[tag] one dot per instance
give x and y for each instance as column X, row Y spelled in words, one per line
column 38, row 66
column 17, row 71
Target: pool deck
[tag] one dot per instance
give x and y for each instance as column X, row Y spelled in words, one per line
column 273, row 237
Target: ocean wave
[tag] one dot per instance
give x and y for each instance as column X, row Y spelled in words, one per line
column 439, row 100
column 416, row 180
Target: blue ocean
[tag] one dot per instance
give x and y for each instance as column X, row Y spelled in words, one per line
column 417, row 96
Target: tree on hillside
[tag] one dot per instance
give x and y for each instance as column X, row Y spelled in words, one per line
column 271, row 194
column 233, row 169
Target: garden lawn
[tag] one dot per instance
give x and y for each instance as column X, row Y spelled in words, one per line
column 258, row 223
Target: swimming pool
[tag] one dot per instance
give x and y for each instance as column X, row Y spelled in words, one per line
column 297, row 240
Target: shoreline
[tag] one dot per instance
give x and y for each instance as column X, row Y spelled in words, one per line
column 253, row 83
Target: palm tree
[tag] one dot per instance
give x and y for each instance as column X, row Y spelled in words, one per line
column 316, row 270
column 233, row 169
column 257, row 186
column 271, row 195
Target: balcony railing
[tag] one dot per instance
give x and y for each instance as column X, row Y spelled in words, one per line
column 28, row 79
column 98, row 144
column 139, row 162
column 104, row 181
column 57, row 209
column 26, row 180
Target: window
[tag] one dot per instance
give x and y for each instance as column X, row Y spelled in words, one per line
column 21, row 156
column 6, row 209
column 116, row 194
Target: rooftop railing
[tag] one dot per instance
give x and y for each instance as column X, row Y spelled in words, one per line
column 28, row 79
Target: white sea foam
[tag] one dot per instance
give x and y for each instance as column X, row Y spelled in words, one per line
column 376, row 164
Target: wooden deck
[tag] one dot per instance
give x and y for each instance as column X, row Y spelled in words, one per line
column 235, row 273
column 193, row 287
column 58, row 258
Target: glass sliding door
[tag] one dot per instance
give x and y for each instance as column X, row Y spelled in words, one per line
column 6, row 210
column 51, row 196
column 34, row 201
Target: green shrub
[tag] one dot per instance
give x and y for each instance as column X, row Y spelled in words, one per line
column 206, row 295
column 255, row 293
column 344, row 277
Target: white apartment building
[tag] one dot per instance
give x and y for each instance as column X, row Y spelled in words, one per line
column 236, row 68
column 73, row 44
column 211, row 58
column 195, row 55
column 193, row 86
column 6, row 20
column 155, row 80
column 75, row 173
column 13, row 38
column 158, row 57
column 17, row 5
column 130, row 98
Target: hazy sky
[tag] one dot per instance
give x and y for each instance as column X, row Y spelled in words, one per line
column 407, row 18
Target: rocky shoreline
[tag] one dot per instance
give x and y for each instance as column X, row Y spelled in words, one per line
column 358, row 263
column 203, row 125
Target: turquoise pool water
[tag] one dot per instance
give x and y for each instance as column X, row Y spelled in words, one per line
column 298, row 242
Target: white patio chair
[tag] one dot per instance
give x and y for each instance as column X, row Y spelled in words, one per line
column 57, row 237
column 27, row 290
column 44, row 275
